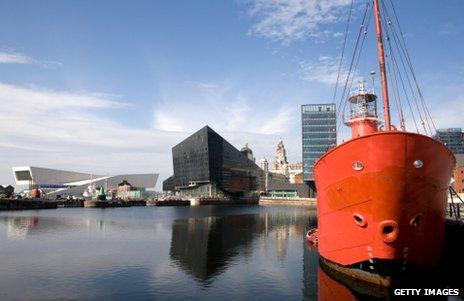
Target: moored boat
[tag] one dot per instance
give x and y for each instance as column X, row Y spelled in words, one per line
column 383, row 210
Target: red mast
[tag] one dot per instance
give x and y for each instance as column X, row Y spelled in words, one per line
column 383, row 74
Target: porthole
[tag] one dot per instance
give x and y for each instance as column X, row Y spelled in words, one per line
column 357, row 165
column 416, row 220
column 418, row 164
column 360, row 220
column 388, row 230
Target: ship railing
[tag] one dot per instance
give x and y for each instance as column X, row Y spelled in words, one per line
column 455, row 208
column 356, row 92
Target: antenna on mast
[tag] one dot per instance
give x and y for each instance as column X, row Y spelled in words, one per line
column 372, row 73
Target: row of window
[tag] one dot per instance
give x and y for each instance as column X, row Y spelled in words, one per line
column 319, row 128
column 317, row 134
column 318, row 108
column 324, row 116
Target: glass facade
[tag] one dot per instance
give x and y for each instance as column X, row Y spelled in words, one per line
column 453, row 138
column 319, row 134
column 205, row 157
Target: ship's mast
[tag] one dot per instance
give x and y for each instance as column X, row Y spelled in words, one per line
column 383, row 74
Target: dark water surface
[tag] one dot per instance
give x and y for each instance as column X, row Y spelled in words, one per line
column 146, row 253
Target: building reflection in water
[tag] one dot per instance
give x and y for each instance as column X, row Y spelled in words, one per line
column 20, row 226
column 204, row 247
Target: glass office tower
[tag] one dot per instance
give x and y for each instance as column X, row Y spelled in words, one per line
column 319, row 135
column 453, row 138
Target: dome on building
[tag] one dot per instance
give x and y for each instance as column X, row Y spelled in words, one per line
column 246, row 149
column 247, row 152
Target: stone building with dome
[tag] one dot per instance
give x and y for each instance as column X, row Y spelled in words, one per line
column 282, row 166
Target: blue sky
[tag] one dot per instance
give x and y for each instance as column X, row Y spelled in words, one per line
column 111, row 86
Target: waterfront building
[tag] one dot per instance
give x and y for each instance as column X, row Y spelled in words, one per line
column 55, row 182
column 287, row 190
column 319, row 134
column 206, row 165
column 282, row 166
column 6, row 191
column 458, row 174
column 453, row 138
column 127, row 191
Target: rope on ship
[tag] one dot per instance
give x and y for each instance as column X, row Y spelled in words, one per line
column 400, row 69
column 363, row 30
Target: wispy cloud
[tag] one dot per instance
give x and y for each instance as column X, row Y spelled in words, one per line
column 15, row 58
column 40, row 99
column 19, row 58
column 278, row 123
column 233, row 114
column 324, row 70
column 75, row 130
column 448, row 29
column 202, row 85
column 224, row 108
column 449, row 115
column 288, row 20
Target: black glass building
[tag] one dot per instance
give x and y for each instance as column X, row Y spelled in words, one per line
column 205, row 164
column 319, row 134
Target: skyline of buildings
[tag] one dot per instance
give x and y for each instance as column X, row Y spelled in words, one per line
column 55, row 182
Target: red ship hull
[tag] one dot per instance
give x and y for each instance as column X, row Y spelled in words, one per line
column 376, row 202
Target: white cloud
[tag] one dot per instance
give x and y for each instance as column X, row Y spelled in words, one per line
column 19, row 58
column 201, row 85
column 280, row 122
column 74, row 130
column 324, row 70
column 233, row 115
column 39, row 99
column 15, row 58
column 224, row 109
column 288, row 20
column 168, row 122
column 449, row 115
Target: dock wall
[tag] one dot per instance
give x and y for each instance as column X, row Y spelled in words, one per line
column 273, row 201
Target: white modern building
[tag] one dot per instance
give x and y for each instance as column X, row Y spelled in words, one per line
column 60, row 182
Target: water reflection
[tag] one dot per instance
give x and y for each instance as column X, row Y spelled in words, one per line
column 204, row 247
column 207, row 253
column 20, row 226
column 23, row 226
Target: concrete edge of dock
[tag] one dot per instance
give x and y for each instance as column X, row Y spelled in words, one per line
column 274, row 201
